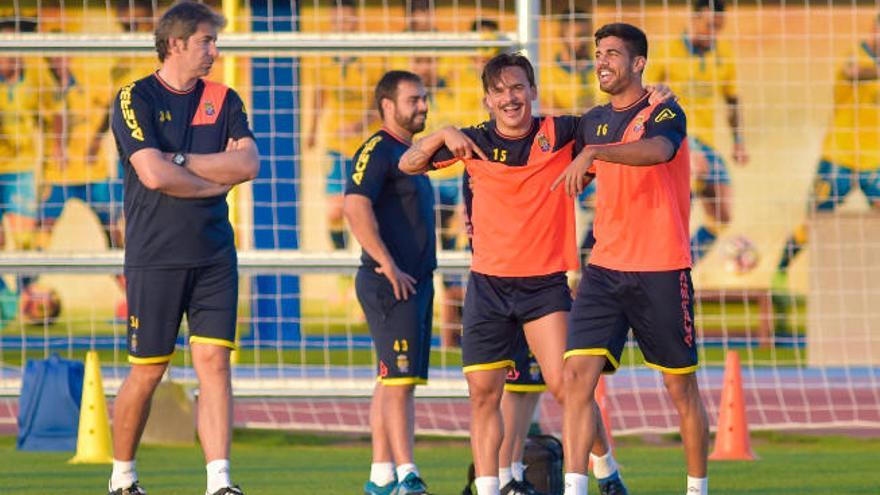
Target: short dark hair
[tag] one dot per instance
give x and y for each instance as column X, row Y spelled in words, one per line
column 480, row 23
column 181, row 21
column 634, row 38
column 345, row 3
column 493, row 68
column 387, row 87
column 715, row 5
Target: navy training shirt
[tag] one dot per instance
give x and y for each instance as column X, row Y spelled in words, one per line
column 163, row 231
column 403, row 204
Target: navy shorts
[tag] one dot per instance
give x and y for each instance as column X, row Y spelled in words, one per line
column 158, row 299
column 496, row 308
column 401, row 329
column 658, row 306
column 525, row 376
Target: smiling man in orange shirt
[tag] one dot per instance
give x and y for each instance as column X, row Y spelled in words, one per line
column 639, row 271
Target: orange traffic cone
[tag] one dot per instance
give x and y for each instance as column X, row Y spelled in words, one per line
column 732, row 437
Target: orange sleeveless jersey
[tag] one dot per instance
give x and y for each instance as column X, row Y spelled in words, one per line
column 520, row 227
column 643, row 213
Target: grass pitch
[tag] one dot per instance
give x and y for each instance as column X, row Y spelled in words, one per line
column 274, row 462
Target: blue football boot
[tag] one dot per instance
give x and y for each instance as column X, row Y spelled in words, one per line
column 612, row 485
column 371, row 488
column 412, row 485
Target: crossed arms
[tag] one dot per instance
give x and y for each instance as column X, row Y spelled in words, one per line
column 204, row 176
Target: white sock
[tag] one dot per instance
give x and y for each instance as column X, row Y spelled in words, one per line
column 218, row 475
column 487, row 485
column 405, row 469
column 575, row 484
column 505, row 476
column 382, row 473
column 518, row 470
column 603, row 466
column 124, row 474
column 697, row 486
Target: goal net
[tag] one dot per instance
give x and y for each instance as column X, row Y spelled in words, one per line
column 782, row 109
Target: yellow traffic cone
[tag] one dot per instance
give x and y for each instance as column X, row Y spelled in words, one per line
column 93, row 439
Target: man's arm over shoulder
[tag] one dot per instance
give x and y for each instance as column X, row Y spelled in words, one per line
column 439, row 149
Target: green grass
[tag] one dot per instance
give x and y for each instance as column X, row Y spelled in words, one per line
column 270, row 462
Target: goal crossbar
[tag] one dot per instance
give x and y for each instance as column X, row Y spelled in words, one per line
column 260, row 43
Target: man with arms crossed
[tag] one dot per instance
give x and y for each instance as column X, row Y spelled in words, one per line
column 185, row 142
column 392, row 216
column 639, row 270
column 523, row 243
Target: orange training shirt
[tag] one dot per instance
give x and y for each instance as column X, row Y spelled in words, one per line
column 520, row 227
column 642, row 212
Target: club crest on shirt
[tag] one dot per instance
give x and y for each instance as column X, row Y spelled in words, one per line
column 542, row 142
column 639, row 124
column 209, row 108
